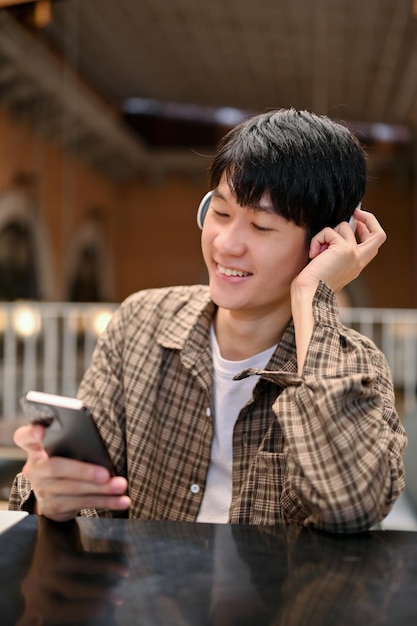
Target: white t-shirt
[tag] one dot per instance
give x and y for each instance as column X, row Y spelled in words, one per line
column 229, row 397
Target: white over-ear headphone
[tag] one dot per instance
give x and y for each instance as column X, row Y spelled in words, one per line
column 203, row 208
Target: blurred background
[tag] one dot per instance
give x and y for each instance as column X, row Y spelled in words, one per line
column 110, row 111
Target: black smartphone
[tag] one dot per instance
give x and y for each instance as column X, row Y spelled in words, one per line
column 70, row 428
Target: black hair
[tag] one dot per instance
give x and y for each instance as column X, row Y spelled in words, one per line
column 314, row 169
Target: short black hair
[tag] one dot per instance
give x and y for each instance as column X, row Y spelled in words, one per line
column 313, row 168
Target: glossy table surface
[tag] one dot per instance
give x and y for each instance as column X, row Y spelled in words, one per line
column 123, row 572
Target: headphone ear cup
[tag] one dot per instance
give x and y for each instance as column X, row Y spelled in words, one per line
column 203, row 208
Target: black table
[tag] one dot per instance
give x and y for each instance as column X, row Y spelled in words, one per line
column 125, row 572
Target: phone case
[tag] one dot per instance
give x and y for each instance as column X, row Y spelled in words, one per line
column 70, row 428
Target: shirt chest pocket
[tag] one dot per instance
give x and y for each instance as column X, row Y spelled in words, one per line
column 265, row 484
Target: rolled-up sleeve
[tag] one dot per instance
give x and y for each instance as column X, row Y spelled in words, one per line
column 344, row 441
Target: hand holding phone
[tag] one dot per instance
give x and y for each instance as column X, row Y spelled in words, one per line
column 70, row 430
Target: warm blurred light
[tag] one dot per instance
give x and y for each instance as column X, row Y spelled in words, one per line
column 92, row 321
column 26, row 321
column 41, row 10
column 100, row 320
column 42, row 13
column 9, row 3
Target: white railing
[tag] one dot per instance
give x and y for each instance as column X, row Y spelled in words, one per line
column 395, row 332
column 47, row 346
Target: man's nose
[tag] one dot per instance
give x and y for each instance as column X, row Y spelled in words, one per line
column 231, row 240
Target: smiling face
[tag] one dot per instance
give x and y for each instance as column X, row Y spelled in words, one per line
column 252, row 255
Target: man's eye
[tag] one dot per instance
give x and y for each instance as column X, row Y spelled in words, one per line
column 220, row 214
column 261, row 229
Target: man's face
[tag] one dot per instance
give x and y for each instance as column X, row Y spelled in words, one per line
column 251, row 255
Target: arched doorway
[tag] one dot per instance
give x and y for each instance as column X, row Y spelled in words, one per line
column 25, row 268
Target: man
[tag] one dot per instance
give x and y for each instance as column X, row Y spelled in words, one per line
column 246, row 401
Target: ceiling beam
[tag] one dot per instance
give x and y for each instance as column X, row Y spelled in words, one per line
column 9, row 3
column 41, row 75
column 41, row 10
column 37, row 86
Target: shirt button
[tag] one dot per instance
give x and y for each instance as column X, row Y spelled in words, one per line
column 208, row 412
column 195, row 488
column 245, row 439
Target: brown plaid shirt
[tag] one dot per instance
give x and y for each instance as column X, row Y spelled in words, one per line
column 324, row 448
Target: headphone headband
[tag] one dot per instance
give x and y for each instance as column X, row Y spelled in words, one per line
column 203, row 208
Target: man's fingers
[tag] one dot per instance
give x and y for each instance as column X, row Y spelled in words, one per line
column 29, row 438
column 371, row 237
column 368, row 225
column 61, row 506
column 27, row 435
column 59, row 475
column 63, row 503
column 62, row 487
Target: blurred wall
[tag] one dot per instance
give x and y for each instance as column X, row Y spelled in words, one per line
column 158, row 240
column 391, row 194
column 63, row 190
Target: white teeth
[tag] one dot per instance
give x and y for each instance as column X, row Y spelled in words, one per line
column 228, row 272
